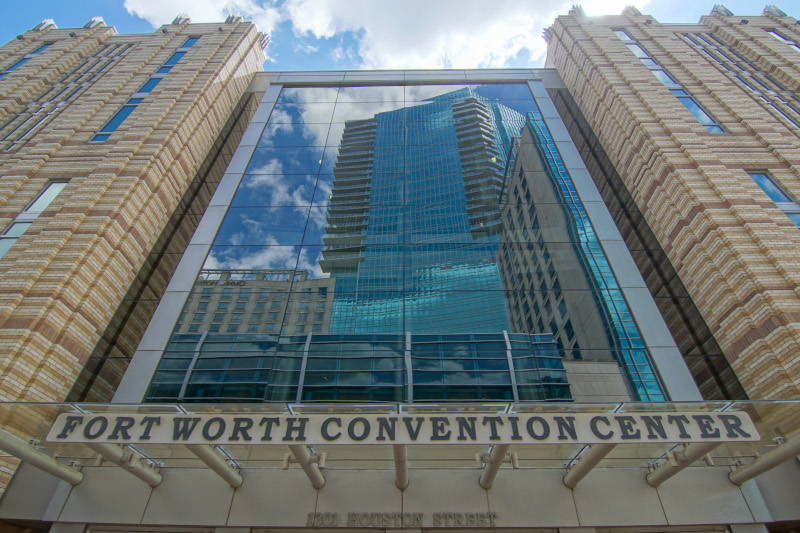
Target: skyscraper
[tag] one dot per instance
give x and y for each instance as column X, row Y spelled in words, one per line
column 434, row 178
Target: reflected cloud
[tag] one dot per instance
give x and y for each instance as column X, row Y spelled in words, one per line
column 311, row 264
column 270, row 256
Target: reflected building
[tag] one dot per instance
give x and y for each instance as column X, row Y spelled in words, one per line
column 414, row 217
column 256, row 301
column 552, row 263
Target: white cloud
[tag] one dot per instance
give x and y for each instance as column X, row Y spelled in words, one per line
column 269, row 256
column 157, row 12
column 408, row 34
column 306, row 48
column 425, row 34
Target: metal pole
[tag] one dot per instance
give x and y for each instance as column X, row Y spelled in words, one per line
column 690, row 454
column 303, row 457
column 214, row 460
column 117, row 455
column 400, row 466
column 585, row 464
column 769, row 460
column 22, row 450
column 499, row 452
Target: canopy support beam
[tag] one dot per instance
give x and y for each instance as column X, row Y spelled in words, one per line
column 216, row 462
column 690, row 454
column 129, row 461
column 585, row 463
column 768, row 461
column 499, row 452
column 400, row 466
column 22, row 450
column 303, row 457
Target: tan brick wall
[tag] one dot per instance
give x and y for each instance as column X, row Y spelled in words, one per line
column 64, row 279
column 734, row 249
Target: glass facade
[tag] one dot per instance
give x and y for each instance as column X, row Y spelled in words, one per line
column 368, row 368
column 401, row 243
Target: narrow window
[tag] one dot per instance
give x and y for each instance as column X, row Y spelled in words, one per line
column 781, row 37
column 174, row 59
column 777, row 195
column 24, row 59
column 39, row 204
column 190, row 42
column 45, row 197
column 149, row 85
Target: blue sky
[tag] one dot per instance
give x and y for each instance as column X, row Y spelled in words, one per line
column 352, row 34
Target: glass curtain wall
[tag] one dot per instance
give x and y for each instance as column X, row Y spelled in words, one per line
column 401, row 215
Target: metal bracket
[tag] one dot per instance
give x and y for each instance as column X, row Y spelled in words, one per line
column 132, row 458
column 483, row 459
column 318, row 458
column 671, row 459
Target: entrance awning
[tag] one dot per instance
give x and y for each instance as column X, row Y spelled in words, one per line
column 660, row 439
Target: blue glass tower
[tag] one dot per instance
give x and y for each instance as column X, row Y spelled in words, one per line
column 414, row 218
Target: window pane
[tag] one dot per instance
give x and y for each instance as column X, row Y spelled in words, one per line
column 622, row 35
column 190, row 42
column 163, row 70
column 769, row 187
column 118, row 119
column 18, row 64
column 701, row 116
column 5, row 244
column 42, row 48
column 175, row 58
column 16, row 229
column 795, row 218
column 149, row 85
column 47, row 196
column 779, row 36
column 638, row 51
column 664, row 77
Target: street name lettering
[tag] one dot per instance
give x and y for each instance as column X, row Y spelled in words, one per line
column 585, row 428
column 400, row 520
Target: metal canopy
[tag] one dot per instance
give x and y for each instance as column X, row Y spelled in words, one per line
column 658, row 461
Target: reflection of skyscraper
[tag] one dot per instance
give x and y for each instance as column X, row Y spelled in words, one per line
column 414, row 217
